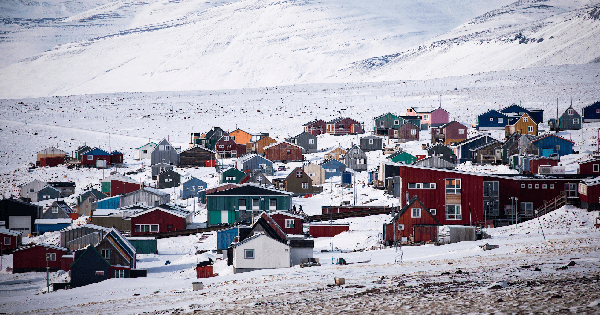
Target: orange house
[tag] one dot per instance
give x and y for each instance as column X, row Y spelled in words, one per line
column 525, row 125
column 335, row 154
column 259, row 146
column 240, row 136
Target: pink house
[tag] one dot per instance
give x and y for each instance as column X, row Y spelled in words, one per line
column 430, row 117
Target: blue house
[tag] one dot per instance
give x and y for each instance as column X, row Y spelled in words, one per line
column 591, row 113
column 492, row 120
column 547, row 145
column 227, row 236
column 463, row 149
column 514, row 112
column 333, row 168
column 88, row 267
column 109, row 203
column 255, row 162
column 193, row 188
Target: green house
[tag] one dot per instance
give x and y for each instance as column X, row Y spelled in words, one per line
column 227, row 206
column 403, row 157
column 232, row 176
column 387, row 121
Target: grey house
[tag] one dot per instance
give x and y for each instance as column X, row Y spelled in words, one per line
column 168, row 179
column 66, row 188
column 371, row 143
column 57, row 210
column 435, row 162
column 255, row 163
column 159, row 168
column 443, row 152
column 164, row 152
column 30, row 190
column 192, row 188
column 48, row 193
column 569, row 120
column 355, row 159
column 146, row 196
column 306, row 140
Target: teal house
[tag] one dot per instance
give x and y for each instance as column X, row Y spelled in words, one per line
column 385, row 122
column 403, row 157
column 229, row 205
column 232, row 176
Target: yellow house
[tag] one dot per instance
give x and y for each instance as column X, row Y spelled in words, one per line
column 240, row 136
column 525, row 126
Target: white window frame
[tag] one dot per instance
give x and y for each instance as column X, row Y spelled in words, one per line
column 271, row 207
column 415, row 213
column 413, row 132
column 433, row 211
column 396, row 122
column 529, row 186
column 551, row 186
column 456, row 190
column 596, row 168
column 90, row 157
column 500, row 120
column 311, row 141
column 370, row 141
column 522, row 186
column 99, row 272
column 105, row 253
column 491, row 118
column 570, row 112
column 119, row 273
column 290, row 223
column 400, row 227
column 305, row 185
column 249, row 253
column 461, row 131
column 147, row 228
column 255, row 204
column 229, row 177
column 537, row 186
column 576, row 121
column 525, row 119
column 298, row 174
column 529, row 128
column 7, row 240
column 457, row 215
column 50, row 256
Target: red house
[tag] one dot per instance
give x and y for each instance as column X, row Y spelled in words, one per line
column 10, row 239
column 33, row 258
column 284, row 151
column 315, row 127
column 289, row 223
column 327, row 229
column 589, row 193
column 164, row 218
column 591, row 166
column 116, row 157
column 91, row 157
column 414, row 222
column 344, row 126
column 119, row 185
column 227, row 147
column 534, row 164
column 52, row 161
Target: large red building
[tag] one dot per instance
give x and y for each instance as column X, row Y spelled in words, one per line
column 33, row 258
column 164, row 218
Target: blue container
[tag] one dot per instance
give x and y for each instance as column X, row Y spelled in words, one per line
column 346, row 178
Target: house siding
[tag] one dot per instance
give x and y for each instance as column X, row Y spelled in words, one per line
column 279, row 152
column 166, row 222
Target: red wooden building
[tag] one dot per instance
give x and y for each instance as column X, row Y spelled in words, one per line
column 326, row 229
column 10, row 239
column 344, row 126
column 289, row 223
column 284, row 151
column 534, row 164
column 164, row 218
column 591, row 166
column 66, row 261
column 52, row 161
column 227, row 147
column 414, row 222
column 91, row 157
column 589, row 193
column 315, row 127
column 116, row 157
column 33, row 258
column 119, row 185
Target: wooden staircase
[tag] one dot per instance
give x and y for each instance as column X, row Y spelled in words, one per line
column 551, row 205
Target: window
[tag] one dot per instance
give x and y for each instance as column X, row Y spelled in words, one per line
column 54, row 209
column 426, row 116
column 576, row 121
column 453, row 186
column 537, row 186
column 298, row 174
column 305, row 185
column 7, row 240
column 241, row 204
column 90, row 157
column 551, row 186
column 226, row 138
column 161, row 147
column 230, row 178
column 311, row 141
column 500, row 120
column 491, row 118
column 31, row 190
column 596, row 168
column 50, row 256
column 141, row 228
column 527, row 209
column 433, row 211
column 289, row 223
column 168, row 180
column 412, row 185
column 571, row 190
column 570, row 112
column 221, row 146
column 525, row 119
column 255, row 204
column 273, row 204
column 597, row 111
column 370, row 141
column 119, row 273
column 167, row 148
column 99, row 272
column 529, row 186
column 145, row 151
column 381, row 123
column 400, row 227
column 413, row 132
column 416, row 213
column 530, row 129
column 248, row 253
column 105, row 253
column 289, row 151
column 396, row 122
column 461, row 131
column 544, row 186
column 453, row 212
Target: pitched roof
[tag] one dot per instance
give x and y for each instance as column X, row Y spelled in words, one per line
column 279, row 143
column 150, row 190
column 90, row 248
column 152, row 144
column 408, row 205
column 333, row 163
column 9, row 232
column 119, row 177
column 247, row 189
column 43, row 245
column 168, row 208
column 313, row 121
column 52, row 150
column 89, row 226
column 371, row 137
column 96, row 151
column 98, row 194
column 124, row 242
column 294, row 172
column 270, row 226
column 61, row 184
column 540, row 137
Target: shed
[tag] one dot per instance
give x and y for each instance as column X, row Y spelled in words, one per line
column 198, row 157
column 284, row 151
column 116, row 157
column 11, row 240
column 414, row 222
column 327, row 229
column 371, row 143
column 88, row 267
column 165, row 153
column 144, row 245
column 36, row 257
column 306, row 140
column 333, row 168
column 356, row 159
column 168, row 179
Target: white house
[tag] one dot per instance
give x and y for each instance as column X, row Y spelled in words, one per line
column 260, row 252
column 145, row 151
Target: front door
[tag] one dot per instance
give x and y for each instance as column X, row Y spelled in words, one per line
column 224, row 216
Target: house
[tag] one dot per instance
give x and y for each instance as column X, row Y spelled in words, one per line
column 256, row 177
column 116, row 157
column 226, row 147
column 589, row 166
column 430, row 117
column 145, row 151
column 407, row 132
column 315, row 127
column 198, row 156
column 259, row 145
column 371, row 143
column 492, row 120
column 159, row 168
column 168, row 179
column 118, row 184
column 231, row 175
column 192, row 188
column 569, row 120
column 10, row 239
column 344, row 126
column 449, row 133
column 92, row 157
column 160, row 219
column 255, row 163
column 228, row 205
column 402, row 157
column 284, row 151
column 385, row 123
column 434, row 162
column 298, row 183
column 510, row 147
column 117, row 250
column 260, row 252
column 316, row 172
column 462, row 150
column 66, row 188
column 37, row 257
column 86, row 202
column 514, row 112
column 165, row 153
column 487, row 153
column 51, row 157
column 18, row 215
column 55, row 218
column 240, row 136
column 80, row 151
column 48, row 193
column 145, row 196
column 306, row 140
column 589, row 193
column 209, row 139
column 333, row 168
column 288, row 222
column 442, row 152
column 413, row 223
column 591, row 113
column 525, row 125
column 551, row 144
column 29, row 191
column 89, row 267
column 540, row 164
column 336, row 154
column 78, row 237
column 356, row 159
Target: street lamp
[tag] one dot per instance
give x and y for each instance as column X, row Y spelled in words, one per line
column 47, row 271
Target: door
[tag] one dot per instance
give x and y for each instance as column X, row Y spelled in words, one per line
column 425, row 233
column 224, row 216
column 547, row 152
column 20, row 223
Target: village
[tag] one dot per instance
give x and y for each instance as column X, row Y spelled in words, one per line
column 269, row 204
